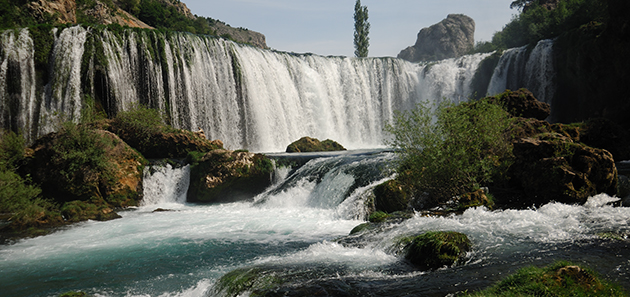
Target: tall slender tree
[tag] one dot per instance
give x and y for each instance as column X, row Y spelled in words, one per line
column 361, row 30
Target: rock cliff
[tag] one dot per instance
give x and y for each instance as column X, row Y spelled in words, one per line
column 451, row 38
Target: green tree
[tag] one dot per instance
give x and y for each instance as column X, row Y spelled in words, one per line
column 361, row 30
column 450, row 150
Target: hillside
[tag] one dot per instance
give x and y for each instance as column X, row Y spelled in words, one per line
column 151, row 14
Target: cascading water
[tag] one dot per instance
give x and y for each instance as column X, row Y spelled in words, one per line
column 250, row 98
column 524, row 68
column 296, row 233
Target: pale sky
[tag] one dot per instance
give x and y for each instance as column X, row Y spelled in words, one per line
column 326, row 27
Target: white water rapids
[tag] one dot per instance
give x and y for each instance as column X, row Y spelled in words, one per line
column 294, row 226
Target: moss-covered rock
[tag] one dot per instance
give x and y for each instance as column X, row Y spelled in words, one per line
column 227, row 176
column 551, row 167
column 252, row 279
column 308, row 144
column 522, row 103
column 142, row 129
column 390, row 196
column 558, row 279
column 80, row 163
column 433, row 250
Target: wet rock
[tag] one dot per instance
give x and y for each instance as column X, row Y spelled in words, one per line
column 308, row 144
column 227, row 176
column 433, row 250
column 390, row 197
column 551, row 167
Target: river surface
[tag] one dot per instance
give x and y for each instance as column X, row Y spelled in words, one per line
column 293, row 229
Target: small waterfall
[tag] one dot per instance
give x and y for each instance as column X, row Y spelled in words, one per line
column 336, row 182
column 17, row 81
column 249, row 98
column 520, row 68
column 164, row 184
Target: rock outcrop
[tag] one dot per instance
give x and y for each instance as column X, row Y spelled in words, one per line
column 433, row 250
column 240, row 35
column 450, row 38
column 88, row 172
column 162, row 142
column 308, row 144
column 63, row 10
column 228, row 176
column 522, row 103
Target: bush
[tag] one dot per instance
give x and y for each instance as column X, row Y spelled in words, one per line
column 11, row 150
column 80, row 156
column 450, row 150
column 536, row 22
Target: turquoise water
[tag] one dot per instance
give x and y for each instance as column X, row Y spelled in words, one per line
column 293, row 229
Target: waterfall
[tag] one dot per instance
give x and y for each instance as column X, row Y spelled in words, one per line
column 249, row 98
column 164, row 184
column 522, row 68
column 17, row 81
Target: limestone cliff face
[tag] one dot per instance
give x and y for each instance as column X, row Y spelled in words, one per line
column 65, row 12
column 451, row 38
column 240, row 35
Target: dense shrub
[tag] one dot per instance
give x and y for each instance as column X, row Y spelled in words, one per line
column 449, row 150
column 537, row 22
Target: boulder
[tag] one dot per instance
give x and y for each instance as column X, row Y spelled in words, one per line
column 165, row 143
column 451, row 38
column 228, row 176
column 308, row 144
column 390, row 197
column 551, row 167
column 89, row 172
column 433, row 250
column 522, row 103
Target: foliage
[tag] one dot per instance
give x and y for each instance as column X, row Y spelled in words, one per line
column 140, row 121
column 18, row 198
column 160, row 16
column 79, row 155
column 537, row 22
column 559, row 279
column 361, row 30
column 450, row 150
column 11, row 150
column 14, row 15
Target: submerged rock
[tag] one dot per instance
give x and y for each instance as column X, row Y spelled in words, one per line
column 227, row 176
column 308, row 144
column 433, row 250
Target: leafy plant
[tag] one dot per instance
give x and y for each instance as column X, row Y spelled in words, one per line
column 449, row 150
column 361, row 30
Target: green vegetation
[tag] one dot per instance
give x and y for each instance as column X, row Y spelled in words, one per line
column 21, row 203
column 308, row 144
column 378, row 216
column 450, row 150
column 436, row 249
column 242, row 280
column 536, row 22
column 559, row 279
column 361, row 30
column 13, row 16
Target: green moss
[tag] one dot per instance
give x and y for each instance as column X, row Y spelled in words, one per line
column 242, row 280
column 559, row 279
column 308, row 144
column 433, row 250
column 390, row 197
column 74, row 294
column 360, row 228
column 378, row 216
